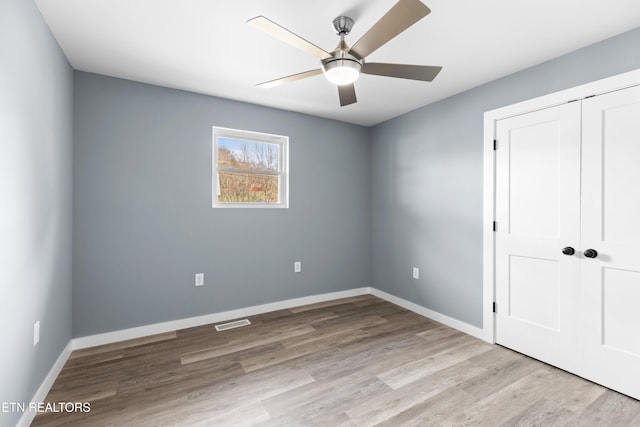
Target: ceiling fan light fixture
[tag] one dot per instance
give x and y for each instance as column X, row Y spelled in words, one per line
column 342, row 71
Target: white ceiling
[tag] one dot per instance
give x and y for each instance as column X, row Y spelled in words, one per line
column 205, row 46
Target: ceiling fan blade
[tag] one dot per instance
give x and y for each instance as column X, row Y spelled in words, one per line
column 347, row 94
column 282, row 34
column 404, row 14
column 425, row 73
column 289, row 79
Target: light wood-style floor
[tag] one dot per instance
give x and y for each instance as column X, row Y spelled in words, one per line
column 357, row 361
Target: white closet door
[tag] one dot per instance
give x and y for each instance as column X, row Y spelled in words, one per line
column 538, row 214
column 611, row 226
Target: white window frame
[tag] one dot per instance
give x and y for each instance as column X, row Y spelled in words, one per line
column 258, row 137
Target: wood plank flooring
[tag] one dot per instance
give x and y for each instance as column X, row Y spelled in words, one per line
column 355, row 362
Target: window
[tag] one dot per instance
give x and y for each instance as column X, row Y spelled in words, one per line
column 249, row 169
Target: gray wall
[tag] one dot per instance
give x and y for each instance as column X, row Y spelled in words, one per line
column 143, row 222
column 35, row 190
column 427, row 180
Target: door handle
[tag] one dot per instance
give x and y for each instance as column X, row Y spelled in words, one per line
column 568, row 250
column 591, row 253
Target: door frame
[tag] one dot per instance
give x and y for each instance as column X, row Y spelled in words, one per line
column 599, row 87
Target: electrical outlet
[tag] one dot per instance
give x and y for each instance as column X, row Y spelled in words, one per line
column 416, row 273
column 199, row 279
column 297, row 267
column 36, row 333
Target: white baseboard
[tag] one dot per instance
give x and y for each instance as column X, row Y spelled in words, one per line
column 433, row 315
column 158, row 328
column 43, row 390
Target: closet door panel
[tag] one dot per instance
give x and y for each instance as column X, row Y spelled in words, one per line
column 537, row 207
column 611, row 226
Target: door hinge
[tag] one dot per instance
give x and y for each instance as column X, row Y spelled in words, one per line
column 495, row 144
column 495, row 226
column 494, row 307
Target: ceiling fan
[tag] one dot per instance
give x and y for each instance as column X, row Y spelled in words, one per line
column 344, row 65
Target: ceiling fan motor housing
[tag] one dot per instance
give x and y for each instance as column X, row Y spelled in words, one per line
column 342, row 68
